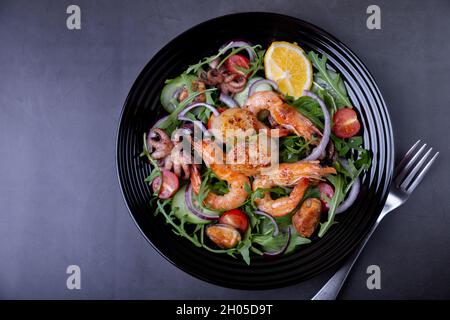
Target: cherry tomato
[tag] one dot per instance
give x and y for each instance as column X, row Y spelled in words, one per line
column 236, row 63
column 345, row 123
column 235, row 218
column 170, row 184
column 328, row 191
column 220, row 110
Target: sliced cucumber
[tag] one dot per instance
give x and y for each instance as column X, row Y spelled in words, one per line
column 167, row 98
column 181, row 210
column 241, row 97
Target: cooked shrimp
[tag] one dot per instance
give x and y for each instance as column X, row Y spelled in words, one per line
column 288, row 174
column 237, row 194
column 253, row 154
column 283, row 114
column 283, row 205
column 237, row 122
column 195, row 178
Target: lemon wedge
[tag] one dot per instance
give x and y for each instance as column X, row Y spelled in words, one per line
column 286, row 64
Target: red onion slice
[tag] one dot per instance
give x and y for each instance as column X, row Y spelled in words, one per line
column 317, row 152
column 182, row 115
column 194, row 210
column 213, row 64
column 255, row 84
column 198, row 104
column 229, row 101
column 239, row 44
column 282, row 250
column 276, row 231
column 354, row 191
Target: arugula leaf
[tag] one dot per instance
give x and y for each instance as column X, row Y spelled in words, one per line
column 237, row 50
column 293, row 149
column 178, row 229
column 329, row 101
column 268, row 242
column 310, row 108
column 329, row 80
column 152, row 176
column 196, row 67
column 215, row 184
column 344, row 146
column 338, row 182
column 171, row 122
column 296, row 240
column 256, row 64
column 244, row 246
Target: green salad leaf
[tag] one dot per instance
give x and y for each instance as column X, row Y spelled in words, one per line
column 178, row 228
column 329, row 80
column 171, row 122
column 296, row 240
column 310, row 108
column 195, row 68
column 338, row 182
column 293, row 148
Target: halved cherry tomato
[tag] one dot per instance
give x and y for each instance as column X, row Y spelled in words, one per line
column 220, row 110
column 236, row 63
column 345, row 123
column 326, row 191
column 235, row 218
column 170, row 184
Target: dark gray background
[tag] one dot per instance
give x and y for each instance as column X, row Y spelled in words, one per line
column 61, row 94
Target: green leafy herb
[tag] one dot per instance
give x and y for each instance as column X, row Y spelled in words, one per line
column 344, row 146
column 329, row 101
column 329, row 80
column 244, row 246
column 196, row 67
column 296, row 240
column 310, row 108
column 338, row 182
column 171, row 122
column 178, row 229
column 268, row 242
column 256, row 64
column 152, row 176
column 293, row 148
column 237, row 50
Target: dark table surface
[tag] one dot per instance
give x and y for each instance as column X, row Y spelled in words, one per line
column 61, row 94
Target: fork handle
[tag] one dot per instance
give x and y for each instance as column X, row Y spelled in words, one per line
column 332, row 288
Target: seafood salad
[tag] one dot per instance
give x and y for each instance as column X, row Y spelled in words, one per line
column 259, row 152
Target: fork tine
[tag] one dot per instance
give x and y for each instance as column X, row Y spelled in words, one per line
column 413, row 172
column 404, row 171
column 402, row 162
column 422, row 173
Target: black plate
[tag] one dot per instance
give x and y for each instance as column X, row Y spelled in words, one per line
column 142, row 108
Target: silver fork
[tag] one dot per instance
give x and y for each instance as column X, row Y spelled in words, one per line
column 408, row 174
